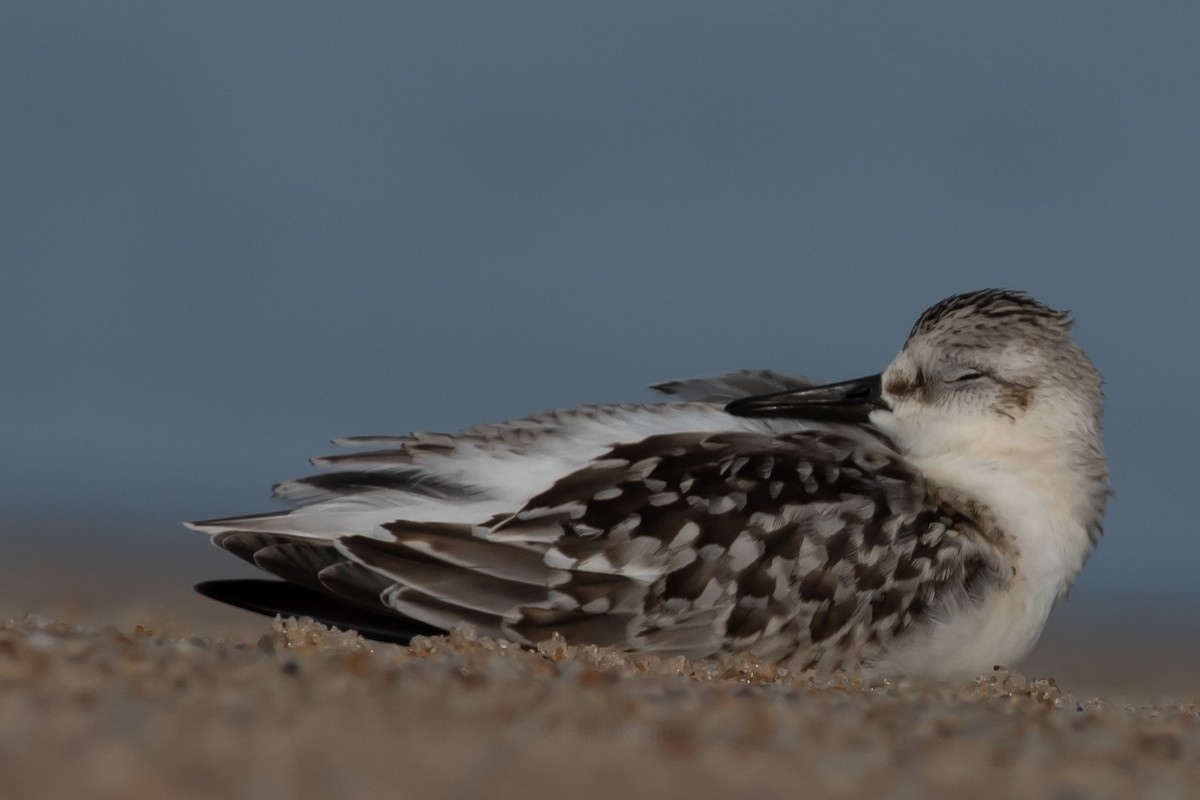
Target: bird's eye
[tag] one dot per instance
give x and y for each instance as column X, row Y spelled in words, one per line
column 963, row 376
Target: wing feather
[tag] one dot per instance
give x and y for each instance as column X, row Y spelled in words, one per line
column 731, row 385
column 817, row 544
column 440, row 580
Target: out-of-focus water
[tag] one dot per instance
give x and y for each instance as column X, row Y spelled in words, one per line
column 230, row 234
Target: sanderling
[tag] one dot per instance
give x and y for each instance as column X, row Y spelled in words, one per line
column 918, row 522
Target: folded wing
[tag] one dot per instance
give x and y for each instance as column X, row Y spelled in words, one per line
column 811, row 543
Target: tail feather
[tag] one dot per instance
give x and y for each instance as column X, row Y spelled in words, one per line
column 458, row 546
column 243, row 523
column 299, row 562
column 414, row 604
column 245, row 544
column 536, row 625
column 463, row 588
column 326, row 485
column 357, row 584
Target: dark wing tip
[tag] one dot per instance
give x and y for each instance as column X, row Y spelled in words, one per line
column 277, row 597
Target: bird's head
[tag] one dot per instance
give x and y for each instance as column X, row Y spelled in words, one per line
column 982, row 375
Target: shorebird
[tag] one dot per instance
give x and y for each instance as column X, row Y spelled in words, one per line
column 919, row 522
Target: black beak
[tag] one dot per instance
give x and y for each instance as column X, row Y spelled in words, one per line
column 848, row 401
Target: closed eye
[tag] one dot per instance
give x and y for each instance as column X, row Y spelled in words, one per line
column 966, row 375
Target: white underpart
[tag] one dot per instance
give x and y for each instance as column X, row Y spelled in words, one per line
column 1036, row 497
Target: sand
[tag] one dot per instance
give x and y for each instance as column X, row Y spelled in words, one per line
column 298, row 710
column 118, row 681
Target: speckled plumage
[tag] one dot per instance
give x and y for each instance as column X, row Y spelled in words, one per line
column 819, row 528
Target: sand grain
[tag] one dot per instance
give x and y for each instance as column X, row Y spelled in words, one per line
column 305, row 712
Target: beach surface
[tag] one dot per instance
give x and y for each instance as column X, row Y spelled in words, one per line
column 128, row 689
column 303, row 711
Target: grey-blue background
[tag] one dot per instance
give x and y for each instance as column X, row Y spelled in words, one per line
column 231, row 232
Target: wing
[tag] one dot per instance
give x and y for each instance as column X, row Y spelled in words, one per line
column 473, row 475
column 491, row 469
column 812, row 546
column 731, row 386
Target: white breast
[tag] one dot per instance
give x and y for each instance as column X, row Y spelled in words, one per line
column 1045, row 544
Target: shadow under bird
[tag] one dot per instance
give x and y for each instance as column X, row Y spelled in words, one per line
column 919, row 522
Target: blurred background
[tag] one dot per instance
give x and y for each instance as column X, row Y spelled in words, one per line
column 231, row 232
